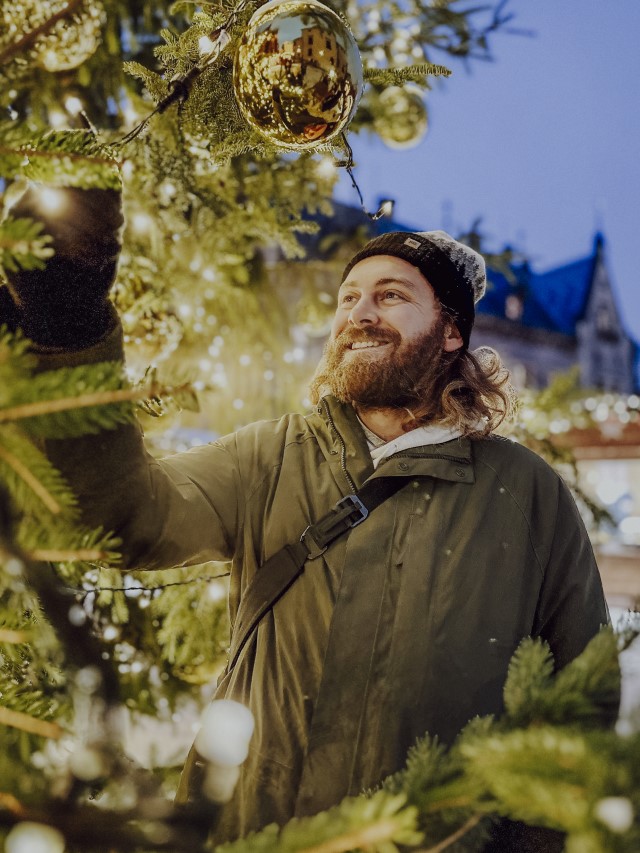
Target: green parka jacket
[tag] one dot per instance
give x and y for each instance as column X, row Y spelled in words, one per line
column 404, row 626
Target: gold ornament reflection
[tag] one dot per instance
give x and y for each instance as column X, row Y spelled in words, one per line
column 297, row 73
column 401, row 120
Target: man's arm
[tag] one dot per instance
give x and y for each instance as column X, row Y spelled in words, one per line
column 179, row 511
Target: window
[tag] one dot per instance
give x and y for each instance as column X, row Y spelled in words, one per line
column 605, row 325
column 513, row 307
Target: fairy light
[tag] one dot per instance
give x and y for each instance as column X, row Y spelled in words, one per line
column 168, row 191
column 142, row 223
column 326, row 168
column 32, row 837
column 129, row 114
column 51, row 200
column 111, row 632
column 216, row 592
column 73, row 105
column 225, row 732
column 57, row 119
column 616, row 813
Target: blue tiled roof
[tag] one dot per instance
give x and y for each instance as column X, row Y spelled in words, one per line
column 499, row 288
column 564, row 292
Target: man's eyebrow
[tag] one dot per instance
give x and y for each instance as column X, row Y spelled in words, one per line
column 383, row 282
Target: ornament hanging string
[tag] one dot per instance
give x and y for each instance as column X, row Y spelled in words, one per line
column 386, row 205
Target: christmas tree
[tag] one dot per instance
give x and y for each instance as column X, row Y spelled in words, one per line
column 211, row 184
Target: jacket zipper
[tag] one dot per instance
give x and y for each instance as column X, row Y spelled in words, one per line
column 343, row 448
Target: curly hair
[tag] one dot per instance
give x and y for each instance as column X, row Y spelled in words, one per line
column 471, row 392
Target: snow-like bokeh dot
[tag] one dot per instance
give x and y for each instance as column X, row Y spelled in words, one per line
column 31, row 837
column 616, row 813
column 226, row 730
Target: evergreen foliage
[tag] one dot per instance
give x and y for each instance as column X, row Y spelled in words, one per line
column 78, row 640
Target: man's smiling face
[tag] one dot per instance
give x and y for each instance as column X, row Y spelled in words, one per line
column 387, row 336
column 384, row 303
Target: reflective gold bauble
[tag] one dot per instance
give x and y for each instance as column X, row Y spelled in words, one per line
column 297, row 74
column 401, row 116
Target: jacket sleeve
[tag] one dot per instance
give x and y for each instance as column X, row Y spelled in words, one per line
column 572, row 607
column 183, row 510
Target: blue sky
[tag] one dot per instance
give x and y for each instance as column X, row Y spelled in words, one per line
column 543, row 144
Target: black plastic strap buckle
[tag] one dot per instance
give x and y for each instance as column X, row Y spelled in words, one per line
column 347, row 513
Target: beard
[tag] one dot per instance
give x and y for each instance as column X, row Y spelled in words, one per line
column 398, row 379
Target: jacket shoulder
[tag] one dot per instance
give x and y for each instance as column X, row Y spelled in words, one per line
column 505, row 455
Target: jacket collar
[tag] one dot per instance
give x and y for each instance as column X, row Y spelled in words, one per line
column 452, row 460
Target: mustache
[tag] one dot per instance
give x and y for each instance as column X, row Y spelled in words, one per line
column 352, row 336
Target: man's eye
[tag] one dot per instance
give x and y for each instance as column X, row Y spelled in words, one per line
column 391, row 295
column 348, row 297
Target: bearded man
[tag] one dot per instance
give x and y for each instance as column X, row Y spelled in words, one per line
column 405, row 623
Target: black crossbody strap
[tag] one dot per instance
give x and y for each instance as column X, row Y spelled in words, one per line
column 276, row 575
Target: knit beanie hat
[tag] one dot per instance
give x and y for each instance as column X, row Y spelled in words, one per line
column 455, row 272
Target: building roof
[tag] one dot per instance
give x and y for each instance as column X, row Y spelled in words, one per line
column 564, row 292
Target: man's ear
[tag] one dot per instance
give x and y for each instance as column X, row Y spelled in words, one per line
column 452, row 338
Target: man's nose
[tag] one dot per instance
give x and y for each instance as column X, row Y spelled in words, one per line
column 363, row 313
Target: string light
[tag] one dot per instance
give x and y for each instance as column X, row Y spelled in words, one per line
column 73, row 105
column 142, row 223
column 223, row 741
column 31, row 837
column 51, row 200
column 57, row 119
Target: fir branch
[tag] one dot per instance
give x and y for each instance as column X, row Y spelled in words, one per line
column 62, row 158
column 370, row 837
column 27, row 723
column 30, row 480
column 378, row 823
column 530, row 672
column 28, row 39
column 12, row 804
column 586, row 691
column 398, row 76
column 53, row 555
column 65, row 404
column 13, row 637
column 466, row 827
column 23, row 245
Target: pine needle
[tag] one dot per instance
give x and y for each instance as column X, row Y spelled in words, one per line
column 27, row 723
column 30, row 480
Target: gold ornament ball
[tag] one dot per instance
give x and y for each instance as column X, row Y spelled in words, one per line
column 297, row 74
column 402, row 118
